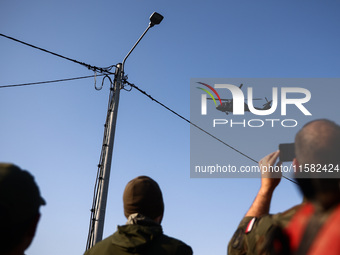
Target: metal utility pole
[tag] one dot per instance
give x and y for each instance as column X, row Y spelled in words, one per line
column 102, row 182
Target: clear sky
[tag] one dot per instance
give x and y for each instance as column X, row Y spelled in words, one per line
column 55, row 130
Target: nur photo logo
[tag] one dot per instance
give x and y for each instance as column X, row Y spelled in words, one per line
column 237, row 105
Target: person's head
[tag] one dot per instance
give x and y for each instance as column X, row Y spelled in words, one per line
column 19, row 209
column 318, row 142
column 142, row 195
column 317, row 145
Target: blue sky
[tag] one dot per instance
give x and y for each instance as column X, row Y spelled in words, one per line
column 55, row 131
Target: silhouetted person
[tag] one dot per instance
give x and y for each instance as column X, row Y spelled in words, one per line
column 314, row 229
column 143, row 234
column 309, row 228
column 20, row 201
column 253, row 231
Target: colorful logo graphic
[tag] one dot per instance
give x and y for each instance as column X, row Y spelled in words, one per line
column 208, row 92
column 237, row 104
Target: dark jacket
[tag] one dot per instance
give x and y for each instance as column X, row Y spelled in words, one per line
column 140, row 239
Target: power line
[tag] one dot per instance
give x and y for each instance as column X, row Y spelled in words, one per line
column 107, row 71
column 153, row 99
column 45, row 82
column 198, row 127
column 185, row 119
column 93, row 68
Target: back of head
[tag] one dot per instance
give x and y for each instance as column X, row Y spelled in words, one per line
column 19, row 205
column 318, row 142
column 143, row 195
column 317, row 146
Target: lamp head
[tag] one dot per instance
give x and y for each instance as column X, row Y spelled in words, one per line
column 155, row 19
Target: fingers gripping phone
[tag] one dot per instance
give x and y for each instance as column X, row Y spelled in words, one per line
column 287, row 152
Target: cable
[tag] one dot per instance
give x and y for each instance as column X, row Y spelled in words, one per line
column 44, row 82
column 193, row 124
column 105, row 76
column 107, row 71
column 93, row 68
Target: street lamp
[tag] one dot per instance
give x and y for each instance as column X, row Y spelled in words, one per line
column 155, row 19
column 102, row 181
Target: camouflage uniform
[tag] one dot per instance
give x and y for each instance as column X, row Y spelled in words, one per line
column 251, row 239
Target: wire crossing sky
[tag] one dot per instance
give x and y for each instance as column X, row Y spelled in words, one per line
column 93, row 68
column 45, row 82
column 132, row 85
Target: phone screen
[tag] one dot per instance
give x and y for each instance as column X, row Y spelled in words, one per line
column 287, row 152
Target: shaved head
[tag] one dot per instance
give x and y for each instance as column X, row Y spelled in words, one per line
column 318, row 142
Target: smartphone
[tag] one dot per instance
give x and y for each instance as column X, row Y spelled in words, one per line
column 287, row 152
